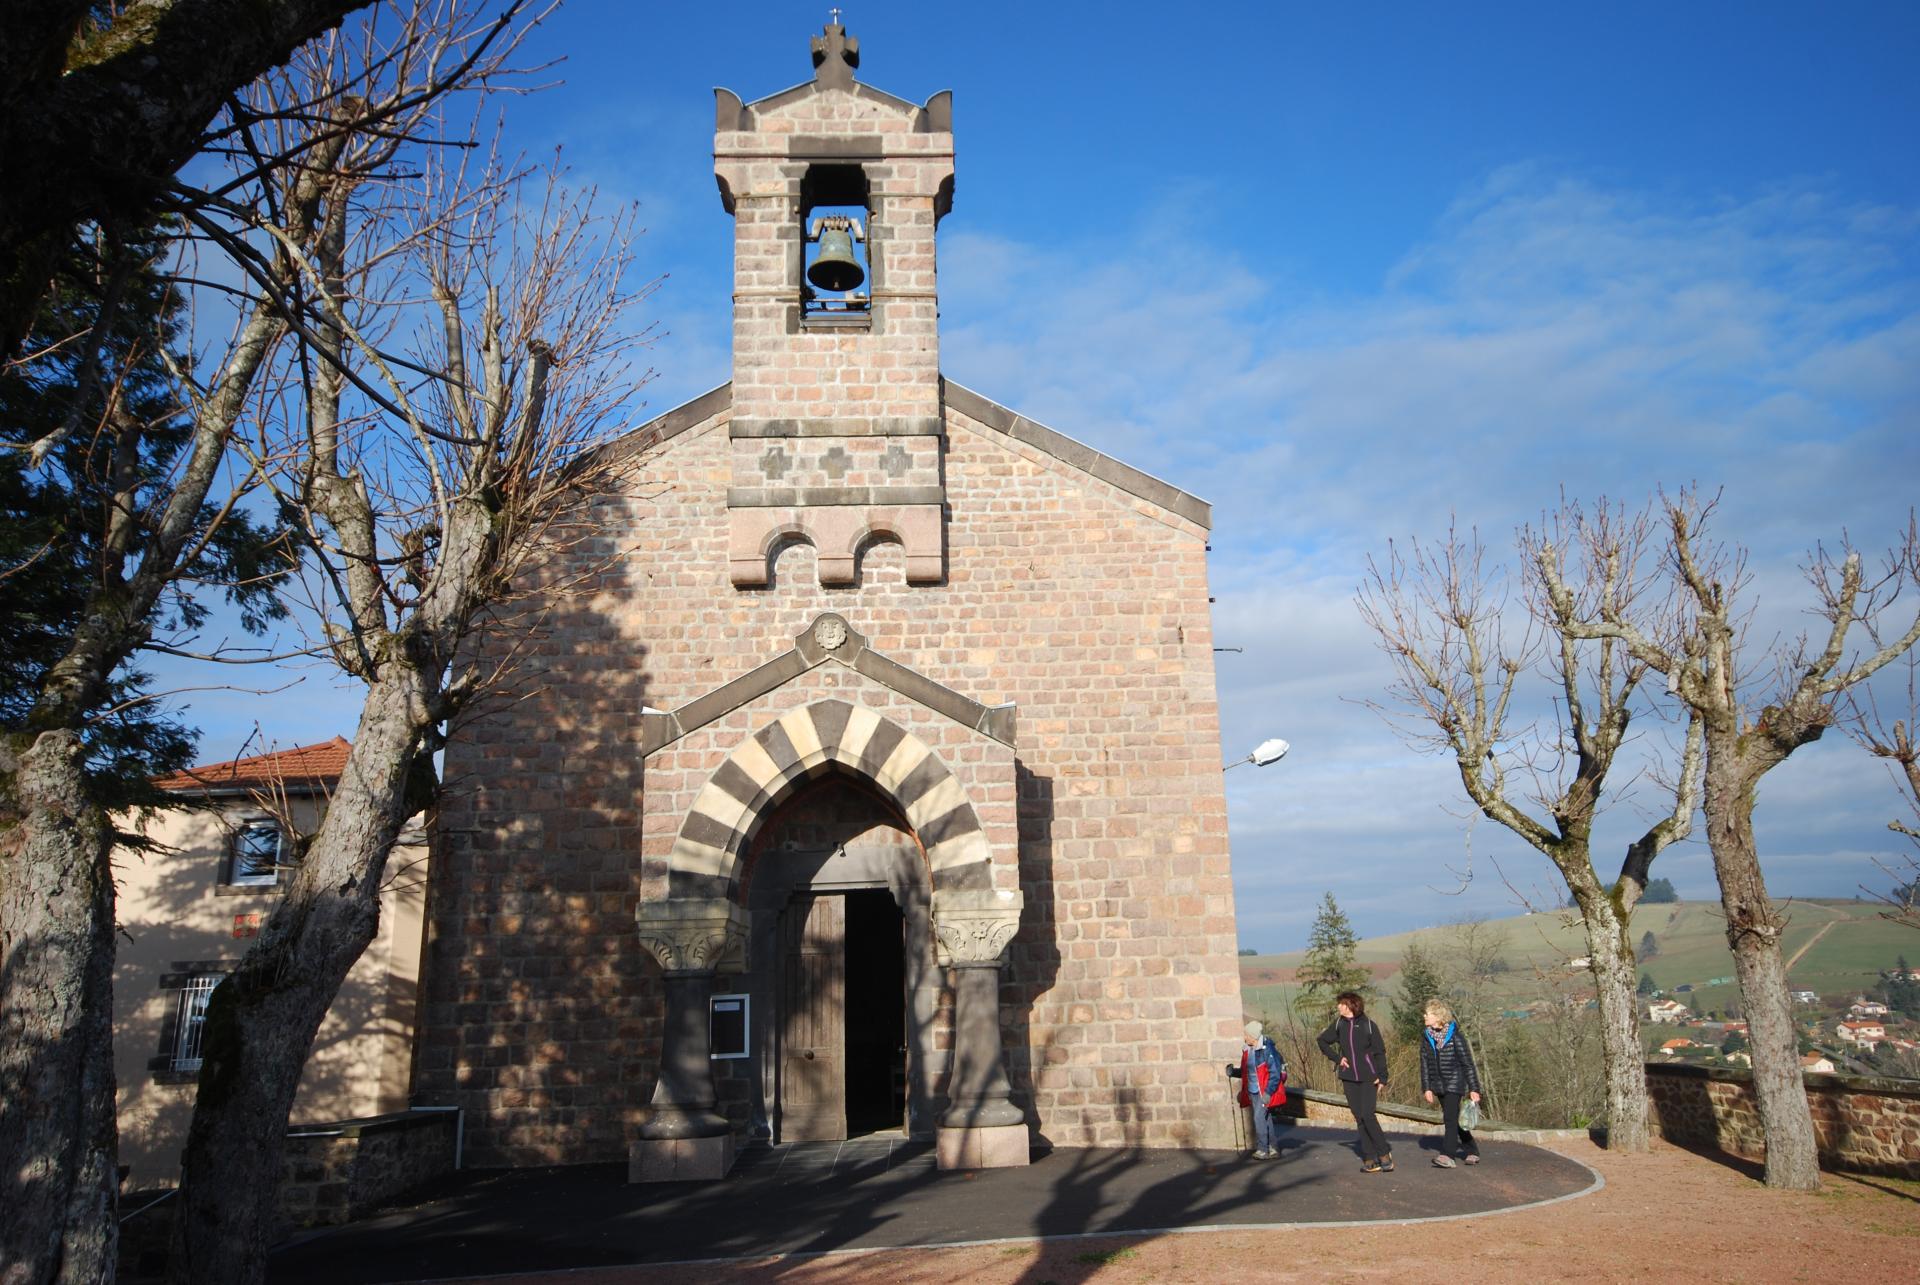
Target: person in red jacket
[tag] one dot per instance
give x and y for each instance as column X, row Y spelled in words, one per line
column 1263, row 1086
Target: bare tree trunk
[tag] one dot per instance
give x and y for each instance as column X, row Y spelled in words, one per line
column 1754, row 929
column 1622, row 1059
column 58, row 1137
column 262, row 1019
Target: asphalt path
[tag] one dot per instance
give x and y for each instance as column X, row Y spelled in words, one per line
column 812, row 1198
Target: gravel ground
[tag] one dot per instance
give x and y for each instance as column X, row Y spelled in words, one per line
column 1671, row 1212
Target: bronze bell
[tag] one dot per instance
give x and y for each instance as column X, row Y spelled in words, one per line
column 834, row 269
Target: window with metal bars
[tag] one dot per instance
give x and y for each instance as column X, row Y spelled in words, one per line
column 192, row 1023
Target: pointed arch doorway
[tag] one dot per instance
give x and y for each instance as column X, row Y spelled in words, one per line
column 845, row 979
column 697, row 919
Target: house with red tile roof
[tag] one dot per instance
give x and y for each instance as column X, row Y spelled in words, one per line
column 1866, row 1034
column 308, row 768
column 188, row 908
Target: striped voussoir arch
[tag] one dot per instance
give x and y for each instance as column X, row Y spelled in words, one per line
column 810, row 742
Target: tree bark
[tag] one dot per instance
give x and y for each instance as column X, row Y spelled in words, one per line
column 1753, row 931
column 1622, row 1059
column 262, row 1019
column 58, row 1134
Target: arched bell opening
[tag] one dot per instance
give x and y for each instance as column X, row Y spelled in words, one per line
column 835, row 216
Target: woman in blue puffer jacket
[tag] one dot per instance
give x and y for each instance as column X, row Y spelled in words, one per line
column 1447, row 1073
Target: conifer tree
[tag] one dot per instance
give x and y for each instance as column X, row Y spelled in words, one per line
column 1329, row 967
column 1419, row 982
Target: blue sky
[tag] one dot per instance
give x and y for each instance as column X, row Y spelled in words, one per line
column 1346, row 271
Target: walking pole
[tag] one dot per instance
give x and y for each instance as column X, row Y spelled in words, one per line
column 1242, row 1123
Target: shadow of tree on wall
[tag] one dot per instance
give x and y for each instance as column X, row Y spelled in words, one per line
column 540, row 1015
column 1034, row 954
column 836, row 822
column 178, row 919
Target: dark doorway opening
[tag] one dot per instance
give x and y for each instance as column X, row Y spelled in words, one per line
column 876, row 1020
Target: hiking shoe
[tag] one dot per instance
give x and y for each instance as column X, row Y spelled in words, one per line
column 1386, row 1164
column 1473, row 1159
column 1370, row 1166
column 1443, row 1162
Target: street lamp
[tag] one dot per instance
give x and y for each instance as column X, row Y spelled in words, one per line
column 1264, row 753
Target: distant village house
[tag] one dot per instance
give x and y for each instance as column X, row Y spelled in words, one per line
column 1667, row 1010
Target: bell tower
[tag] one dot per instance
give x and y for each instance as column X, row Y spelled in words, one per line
column 836, row 436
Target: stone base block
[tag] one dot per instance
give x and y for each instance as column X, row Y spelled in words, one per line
column 680, row 1159
column 991, row 1146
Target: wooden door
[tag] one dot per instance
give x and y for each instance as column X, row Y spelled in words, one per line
column 813, row 1037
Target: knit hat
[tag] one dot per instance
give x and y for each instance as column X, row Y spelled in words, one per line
column 1254, row 1029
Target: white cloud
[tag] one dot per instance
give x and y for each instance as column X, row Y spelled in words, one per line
column 1549, row 332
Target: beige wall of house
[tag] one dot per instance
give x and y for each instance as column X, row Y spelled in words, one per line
column 182, row 916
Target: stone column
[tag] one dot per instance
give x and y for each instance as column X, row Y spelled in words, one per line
column 981, row 1127
column 685, row 1138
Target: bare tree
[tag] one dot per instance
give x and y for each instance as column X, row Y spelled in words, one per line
column 1700, row 654
column 57, row 1128
column 426, row 472
column 1440, row 617
column 1893, row 741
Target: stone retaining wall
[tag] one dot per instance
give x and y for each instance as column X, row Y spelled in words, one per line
column 334, row 1173
column 1315, row 1106
column 1862, row 1125
column 330, row 1174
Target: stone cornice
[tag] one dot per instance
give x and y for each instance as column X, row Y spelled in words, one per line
column 665, row 427
column 1125, row 477
column 829, row 638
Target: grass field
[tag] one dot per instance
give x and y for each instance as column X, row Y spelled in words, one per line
column 1842, row 947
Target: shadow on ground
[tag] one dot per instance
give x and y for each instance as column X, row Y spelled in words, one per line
column 811, row 1198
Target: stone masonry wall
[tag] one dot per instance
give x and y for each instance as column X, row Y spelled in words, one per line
column 1861, row 1125
column 332, row 1174
column 1085, row 605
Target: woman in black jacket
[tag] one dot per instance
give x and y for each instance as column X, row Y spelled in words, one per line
column 1447, row 1070
column 1359, row 1058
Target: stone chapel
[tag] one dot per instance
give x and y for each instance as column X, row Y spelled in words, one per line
column 867, row 775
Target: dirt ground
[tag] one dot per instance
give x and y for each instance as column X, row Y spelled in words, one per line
column 1670, row 1212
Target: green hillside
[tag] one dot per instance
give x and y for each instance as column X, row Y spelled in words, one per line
column 1841, row 946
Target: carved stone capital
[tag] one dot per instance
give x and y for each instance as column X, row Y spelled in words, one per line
column 974, row 927
column 694, row 936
